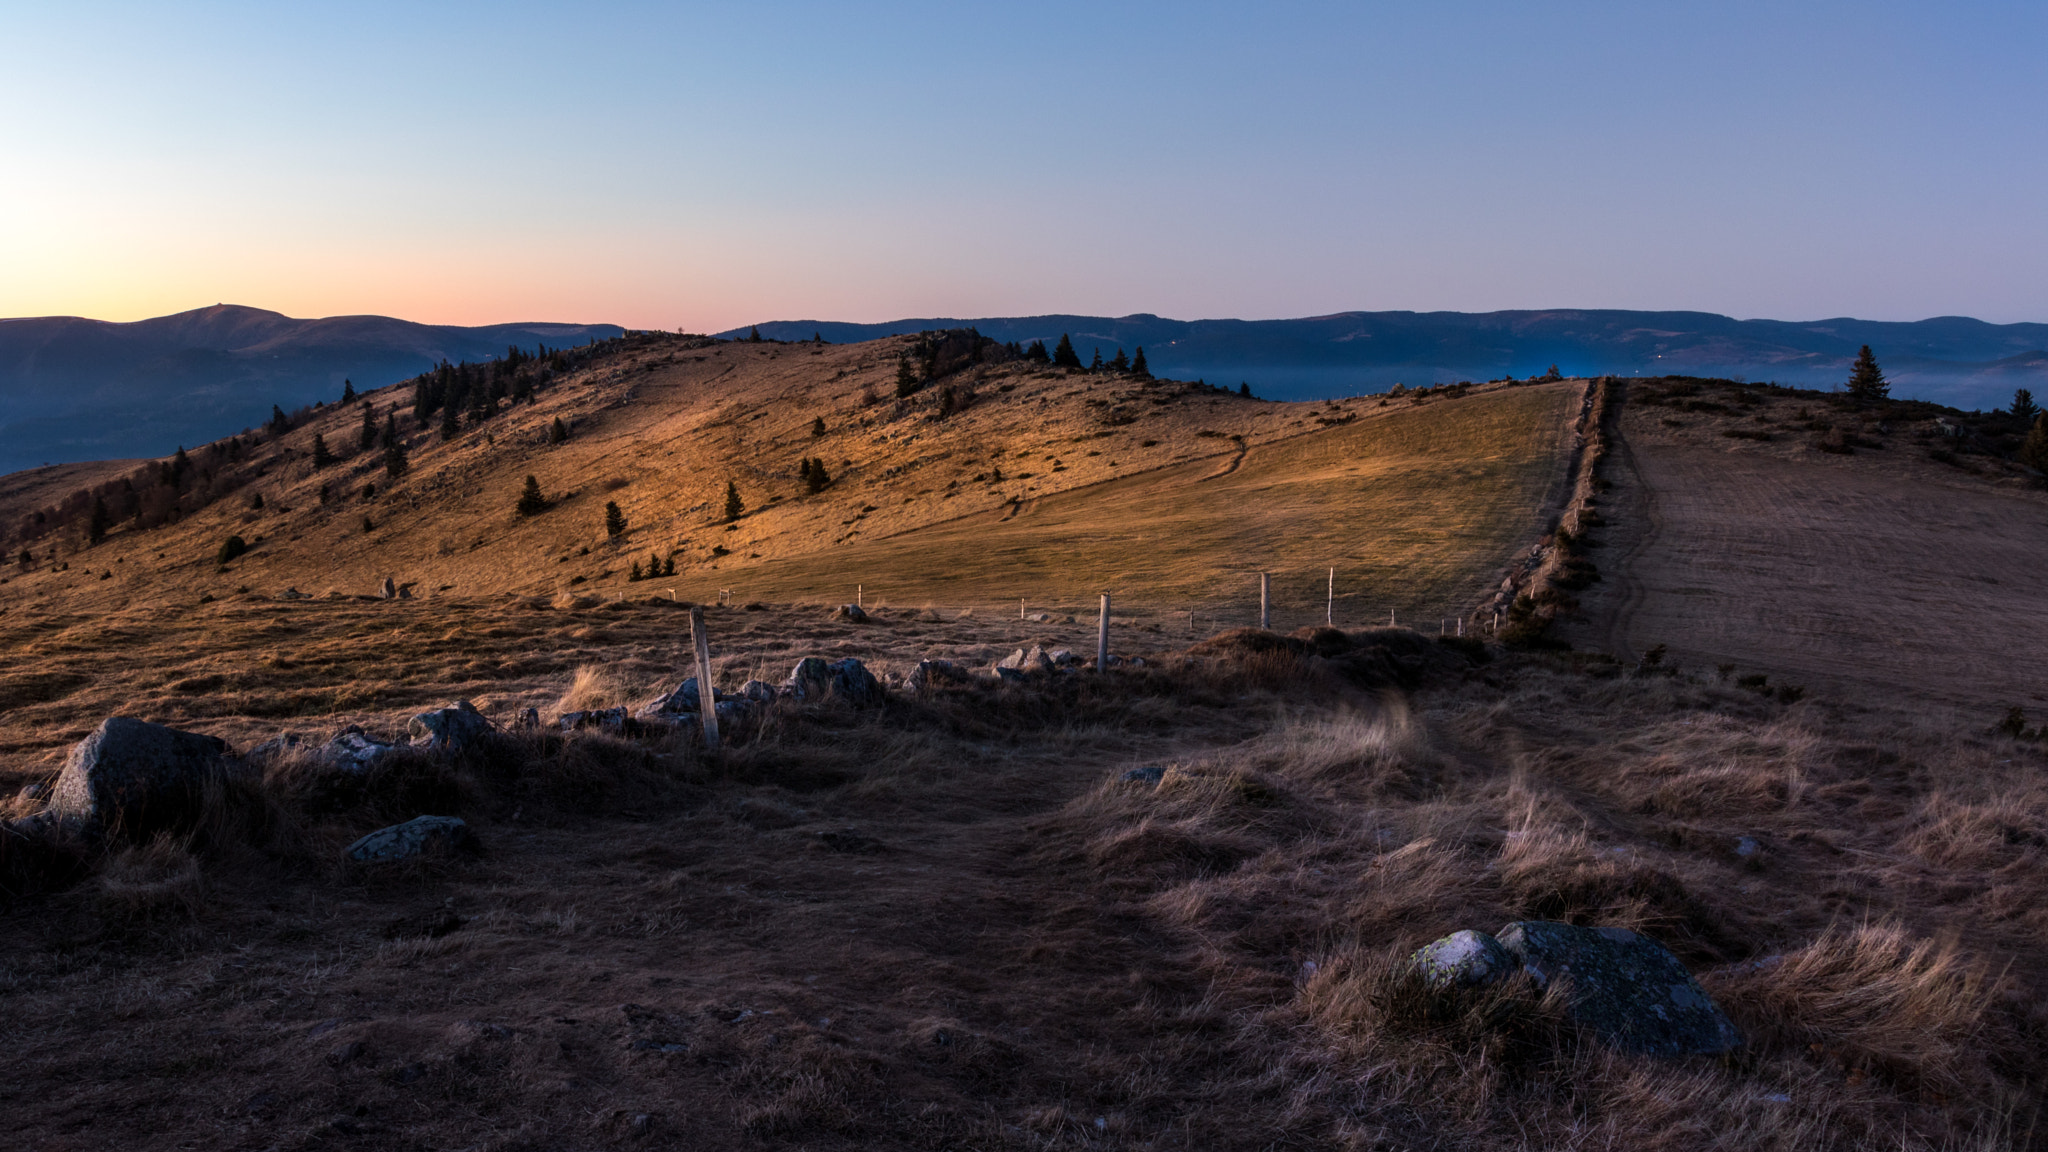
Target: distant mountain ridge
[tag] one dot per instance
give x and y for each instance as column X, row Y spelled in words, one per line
column 1950, row 359
column 78, row 389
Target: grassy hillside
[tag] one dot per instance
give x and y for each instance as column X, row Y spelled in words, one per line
column 1029, row 482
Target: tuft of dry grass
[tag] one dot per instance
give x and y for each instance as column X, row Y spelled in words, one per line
column 147, row 881
column 595, row 686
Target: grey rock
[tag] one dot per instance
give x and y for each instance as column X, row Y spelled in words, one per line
column 137, row 778
column 1463, row 959
column 529, row 720
column 1150, row 774
column 731, row 712
column 683, row 699
column 1747, row 846
column 452, row 729
column 388, row 590
column 1040, row 617
column 1625, row 988
column 293, row 594
column 418, row 837
column 355, row 750
column 930, row 674
column 758, row 691
column 1034, row 660
column 1063, row 657
column 604, row 719
column 1009, row 675
column 809, row 680
column 814, row 680
column 852, row 612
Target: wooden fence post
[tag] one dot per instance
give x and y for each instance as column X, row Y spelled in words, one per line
column 860, row 595
column 1265, row 601
column 707, row 696
column 1102, row 637
column 1330, row 609
column 1020, row 609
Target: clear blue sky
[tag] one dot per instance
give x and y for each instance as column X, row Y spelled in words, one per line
column 701, row 166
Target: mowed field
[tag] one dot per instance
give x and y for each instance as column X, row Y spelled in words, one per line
column 1881, row 570
column 1419, row 511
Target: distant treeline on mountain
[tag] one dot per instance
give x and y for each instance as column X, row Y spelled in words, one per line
column 1951, row 359
column 76, row 389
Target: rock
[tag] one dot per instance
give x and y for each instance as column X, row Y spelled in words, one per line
column 732, row 712
column 137, row 778
column 683, row 699
column 930, row 674
column 851, row 612
column 1040, row 617
column 355, row 750
column 1463, row 959
column 1034, row 660
column 1150, row 774
column 388, row 590
column 758, row 691
column 1747, row 846
column 452, row 729
column 1623, row 987
column 1008, row 675
column 1063, row 657
column 809, row 680
column 853, row 683
column 418, row 837
column 293, row 594
column 605, row 719
column 529, row 720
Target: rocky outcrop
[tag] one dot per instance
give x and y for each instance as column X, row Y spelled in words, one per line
column 1463, row 959
column 422, row 837
column 814, row 680
column 134, row 778
column 456, row 728
column 929, row 674
column 1029, row 661
column 853, row 613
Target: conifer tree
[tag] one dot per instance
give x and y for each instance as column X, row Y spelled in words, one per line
column 1866, row 383
column 634, row 576
column 390, row 430
column 754, row 335
column 531, row 502
column 818, row 426
column 1037, row 353
column 451, row 424
column 558, row 432
column 321, row 456
column 668, row 566
column 2023, row 406
column 101, row 520
column 395, row 462
column 614, row 520
column 279, row 424
column 1095, row 365
column 733, row 507
column 1138, row 367
column 1064, row 355
column 1120, row 362
column 2034, row 453
column 369, row 426
column 1244, row 389
column 906, row 378
column 348, row 392
column 815, row 478
column 25, row 560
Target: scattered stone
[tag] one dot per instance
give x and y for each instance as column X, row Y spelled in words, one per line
column 342, row 1055
column 605, row 719
column 683, row 699
column 1034, row 660
column 930, row 674
column 1040, row 617
column 814, row 680
column 453, row 729
column 355, row 750
column 851, row 612
column 529, row 720
column 1747, row 846
column 1063, row 658
column 388, row 590
column 1150, row 774
column 809, row 680
column 1625, row 988
column 1008, row 675
column 293, row 594
column 418, row 837
column 1463, row 959
column 758, row 691
column 136, row 777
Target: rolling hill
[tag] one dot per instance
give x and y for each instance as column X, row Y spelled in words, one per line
column 73, row 389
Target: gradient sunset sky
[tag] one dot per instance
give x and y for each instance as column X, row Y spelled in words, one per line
column 700, row 166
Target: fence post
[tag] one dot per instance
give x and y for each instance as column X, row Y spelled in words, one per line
column 1265, row 601
column 1102, row 637
column 1330, row 608
column 1390, row 619
column 860, row 595
column 1020, row 609
column 707, row 696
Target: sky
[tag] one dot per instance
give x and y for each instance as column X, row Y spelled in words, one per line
column 700, row 166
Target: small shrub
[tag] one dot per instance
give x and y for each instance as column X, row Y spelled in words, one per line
column 230, row 548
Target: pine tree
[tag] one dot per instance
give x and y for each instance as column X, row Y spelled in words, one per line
column 1037, row 353
column 733, row 507
column 1244, row 389
column 25, row 560
column 451, row 424
column 369, row 426
column 815, row 478
column 256, row 502
column 96, row 527
column 2034, row 453
column 531, row 502
column 390, row 430
column 395, row 462
column 558, row 432
column 1064, row 355
column 754, row 335
column 1120, row 362
column 348, row 392
column 949, row 401
column 1866, row 383
column 279, row 424
column 614, row 520
column 2023, row 406
column 321, row 456
column 907, row 382
column 634, row 575
column 668, row 566
column 1138, row 367
column 1095, row 365
column 818, row 426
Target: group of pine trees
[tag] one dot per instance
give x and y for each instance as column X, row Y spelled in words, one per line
column 812, row 473
column 473, row 393
column 656, row 566
column 1064, row 356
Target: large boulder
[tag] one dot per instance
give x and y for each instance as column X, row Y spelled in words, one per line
column 455, row 728
column 809, row 680
column 1033, row 660
column 929, row 674
column 814, row 680
column 134, row 778
column 417, row 838
column 1623, row 987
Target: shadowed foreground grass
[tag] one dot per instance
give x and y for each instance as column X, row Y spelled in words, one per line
column 950, row 923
